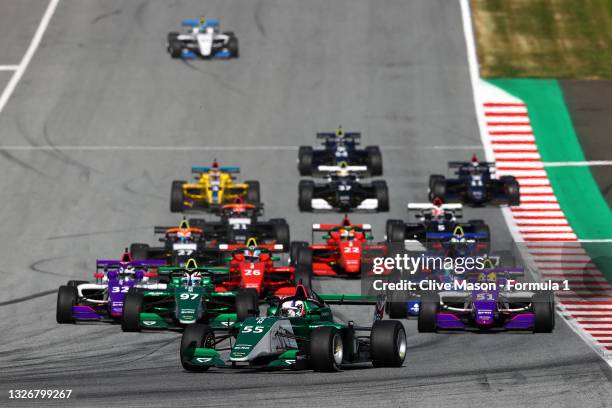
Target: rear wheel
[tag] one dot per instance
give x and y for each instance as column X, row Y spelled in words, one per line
column 305, row 155
column 305, row 194
column 382, row 194
column 397, row 310
column 293, row 250
column 388, row 343
column 139, row 251
column 374, row 160
column 177, row 198
column 232, row 47
column 175, row 48
column 66, row 299
column 281, row 232
column 437, row 188
column 75, row 283
column 511, row 190
column 247, row 304
column 326, row 349
column 428, row 309
column 396, row 231
column 172, row 36
column 132, row 307
column 303, row 275
column 195, row 336
column 252, row 194
column 544, row 310
column 304, row 256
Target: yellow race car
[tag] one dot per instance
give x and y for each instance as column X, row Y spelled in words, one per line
column 215, row 186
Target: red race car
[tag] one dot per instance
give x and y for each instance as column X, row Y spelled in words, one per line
column 251, row 268
column 343, row 251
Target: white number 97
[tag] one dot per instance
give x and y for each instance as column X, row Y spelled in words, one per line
column 192, row 296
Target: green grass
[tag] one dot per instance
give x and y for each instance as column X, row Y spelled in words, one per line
column 544, row 38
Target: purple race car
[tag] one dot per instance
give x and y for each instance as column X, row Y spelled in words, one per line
column 482, row 301
column 103, row 299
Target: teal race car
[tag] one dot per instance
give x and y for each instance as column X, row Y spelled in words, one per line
column 187, row 295
column 298, row 332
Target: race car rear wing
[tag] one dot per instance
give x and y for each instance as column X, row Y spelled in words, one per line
column 332, row 135
column 213, row 270
column 192, row 22
column 110, row 263
column 174, row 230
column 351, row 169
column 469, row 236
column 269, row 247
column 327, row 227
column 224, row 169
column 456, row 209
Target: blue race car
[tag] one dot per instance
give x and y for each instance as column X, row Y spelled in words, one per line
column 475, row 185
column 202, row 39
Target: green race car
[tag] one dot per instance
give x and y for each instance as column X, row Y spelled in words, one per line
column 298, row 333
column 187, row 295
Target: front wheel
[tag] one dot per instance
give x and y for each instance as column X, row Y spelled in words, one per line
column 305, row 158
column 175, row 48
column 132, row 307
column 305, row 194
column 326, row 349
column 388, row 343
column 253, row 192
column 544, row 310
column 428, row 311
column 177, row 198
column 374, row 160
column 382, row 195
column 66, row 299
column 233, row 47
column 195, row 336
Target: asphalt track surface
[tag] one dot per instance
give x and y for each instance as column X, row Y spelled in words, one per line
column 395, row 70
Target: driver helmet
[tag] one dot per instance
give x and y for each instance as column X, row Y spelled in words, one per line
column 293, row 308
column 437, row 210
column 339, row 132
column 343, row 172
column 475, row 161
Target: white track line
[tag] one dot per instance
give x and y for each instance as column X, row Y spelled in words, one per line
column 27, row 57
column 29, row 148
column 9, row 67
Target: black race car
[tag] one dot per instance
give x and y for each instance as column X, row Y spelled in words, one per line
column 475, row 185
column 339, row 147
column 179, row 245
column 432, row 218
column 343, row 191
column 240, row 221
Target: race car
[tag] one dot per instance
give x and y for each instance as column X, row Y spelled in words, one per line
column 190, row 296
column 251, row 267
column 202, row 39
column 298, row 332
column 215, row 186
column 339, row 146
column 103, row 299
column 343, row 191
column 341, row 253
column 240, row 221
column 488, row 309
column 475, row 185
column 179, row 245
column 433, row 217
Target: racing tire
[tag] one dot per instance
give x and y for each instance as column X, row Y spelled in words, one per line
column 326, row 349
column 75, row 283
column 293, row 250
column 303, row 276
column 511, row 190
column 382, row 195
column 374, row 160
column 253, row 195
column 396, row 231
column 388, row 343
column 281, row 232
column 428, row 309
column 66, row 299
column 132, row 307
column 397, row 310
column 198, row 335
column 175, row 48
column 247, row 304
column 177, row 198
column 305, row 156
column 304, row 256
column 433, row 178
column 233, row 48
column 437, row 189
column 139, row 251
column 305, row 194
column 172, row 36
column 544, row 310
